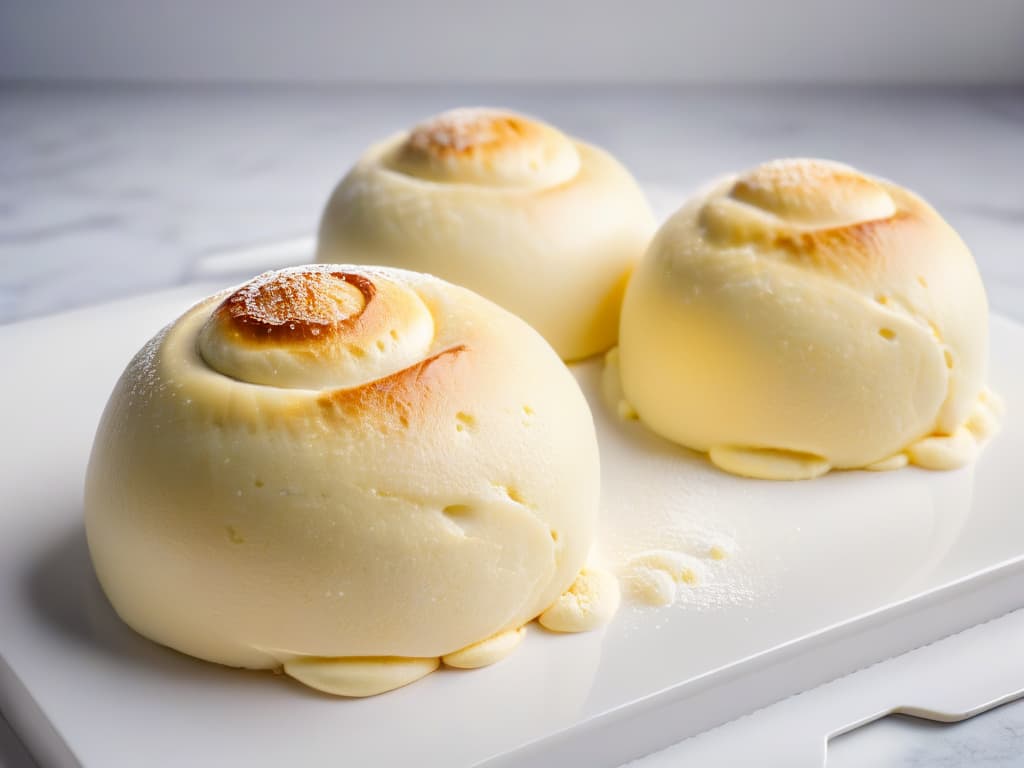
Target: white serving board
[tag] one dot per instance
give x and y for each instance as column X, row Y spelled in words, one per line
column 827, row 576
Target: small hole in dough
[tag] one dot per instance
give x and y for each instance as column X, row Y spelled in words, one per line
column 882, row 299
column 554, row 535
column 394, row 334
column 528, row 410
column 356, row 351
column 949, row 358
column 457, row 510
column 512, row 493
column 922, row 281
column 380, row 345
column 258, row 483
column 465, row 420
column 233, row 535
column 887, row 333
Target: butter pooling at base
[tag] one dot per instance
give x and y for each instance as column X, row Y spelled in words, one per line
column 348, row 473
column 803, row 316
column 543, row 224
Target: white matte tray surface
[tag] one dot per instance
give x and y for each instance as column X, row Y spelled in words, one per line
column 825, row 577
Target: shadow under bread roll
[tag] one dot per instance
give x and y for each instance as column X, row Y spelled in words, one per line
column 545, row 225
column 350, row 473
column 803, row 316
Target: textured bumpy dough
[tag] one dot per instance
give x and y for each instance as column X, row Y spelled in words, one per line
column 545, row 225
column 803, row 316
column 346, row 472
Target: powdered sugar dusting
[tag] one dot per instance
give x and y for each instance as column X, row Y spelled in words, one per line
column 308, row 297
column 666, row 575
column 819, row 193
column 487, row 147
column 795, row 172
column 461, row 129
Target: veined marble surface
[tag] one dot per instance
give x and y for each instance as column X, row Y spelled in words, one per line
column 111, row 190
column 106, row 191
column 991, row 740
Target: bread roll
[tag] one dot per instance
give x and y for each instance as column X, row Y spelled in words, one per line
column 803, row 316
column 346, row 472
column 546, row 226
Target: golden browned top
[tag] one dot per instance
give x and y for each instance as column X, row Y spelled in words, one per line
column 467, row 132
column 296, row 305
column 397, row 399
column 317, row 327
column 813, row 192
column 488, row 147
column 867, row 242
column 816, row 213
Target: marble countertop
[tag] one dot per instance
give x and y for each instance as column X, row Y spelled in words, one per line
column 107, row 191
column 993, row 740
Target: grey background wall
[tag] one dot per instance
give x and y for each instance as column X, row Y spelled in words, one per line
column 470, row 40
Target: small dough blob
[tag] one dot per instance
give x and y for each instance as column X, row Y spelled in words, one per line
column 589, row 603
column 358, row 677
column 486, row 652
